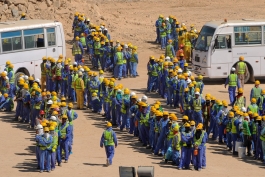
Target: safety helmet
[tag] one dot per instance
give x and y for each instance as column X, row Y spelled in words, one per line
column 241, row 58
column 257, row 82
column 240, row 90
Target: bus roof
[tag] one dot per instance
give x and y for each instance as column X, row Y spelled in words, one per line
column 250, row 22
column 25, row 24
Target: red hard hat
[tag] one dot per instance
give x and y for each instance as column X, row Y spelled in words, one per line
column 42, row 112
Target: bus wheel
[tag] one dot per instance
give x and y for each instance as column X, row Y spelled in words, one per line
column 247, row 78
column 17, row 76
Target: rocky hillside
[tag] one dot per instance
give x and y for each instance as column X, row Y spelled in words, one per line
column 61, row 10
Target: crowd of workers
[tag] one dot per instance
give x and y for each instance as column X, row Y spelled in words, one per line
column 42, row 104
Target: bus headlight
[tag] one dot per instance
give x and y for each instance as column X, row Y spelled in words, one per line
column 204, row 61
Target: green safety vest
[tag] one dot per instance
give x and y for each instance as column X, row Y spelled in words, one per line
column 44, row 147
column 176, row 142
column 96, row 48
column 133, row 60
column 168, row 51
column 198, row 141
column 154, row 71
column 144, row 119
column 254, row 128
column 58, row 72
column 261, row 98
column 197, row 104
column 76, row 49
column 43, row 69
column 262, row 137
column 71, row 121
column 83, row 41
column 233, row 130
column 78, row 85
column 242, row 67
column 228, row 126
column 199, row 85
column 253, row 108
column 232, row 80
column 74, row 77
column 12, row 80
column 54, row 144
column 63, row 131
column 119, row 58
column 108, row 138
column 186, row 105
column 123, row 107
column 163, row 34
column 240, row 102
column 245, row 128
column 256, row 92
column 188, row 134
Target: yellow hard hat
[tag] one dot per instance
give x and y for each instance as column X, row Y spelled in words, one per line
column 101, row 71
column 46, row 129
column 5, row 95
column 253, row 100
column 70, row 105
column 241, row 58
column 52, row 128
column 63, row 99
column 26, row 86
column 250, row 113
column 187, row 124
column 54, row 93
column 192, row 123
column 8, row 62
column 54, row 113
column 225, row 104
column 165, row 113
column 208, row 98
column 263, row 92
column 245, row 114
column 94, row 94
column 258, row 118
column 23, row 14
column 255, row 115
column 185, row 118
column 43, row 94
column 200, row 77
column 176, row 128
column 191, row 85
column 31, row 78
column 257, row 82
column 174, row 117
column 186, row 89
column 199, row 126
column 64, row 116
column 186, row 64
column 63, row 104
column 240, row 90
column 3, row 74
column 231, row 114
column 109, row 124
column 126, row 91
column 77, row 38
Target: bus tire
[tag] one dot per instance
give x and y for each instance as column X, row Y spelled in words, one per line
column 19, row 72
column 250, row 76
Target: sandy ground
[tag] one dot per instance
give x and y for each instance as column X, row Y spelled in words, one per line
column 134, row 22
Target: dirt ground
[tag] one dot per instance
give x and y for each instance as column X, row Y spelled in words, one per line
column 134, row 22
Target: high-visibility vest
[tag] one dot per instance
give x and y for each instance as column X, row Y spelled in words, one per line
column 58, row 71
column 163, row 33
column 12, row 79
column 256, row 92
column 253, row 108
column 133, row 60
column 186, row 104
column 108, row 137
column 63, row 131
column 83, row 41
column 229, row 126
column 44, row 147
column 199, row 85
column 71, row 122
column 74, row 77
column 262, row 137
column 78, row 83
column 96, row 48
column 233, row 130
column 186, row 134
column 197, row 104
column 43, row 69
column 240, row 102
column 154, row 71
column 144, row 119
column 168, row 51
column 176, row 142
column 76, row 49
column 254, row 128
column 232, row 80
column 119, row 58
column 245, row 128
column 241, row 67
column 198, row 141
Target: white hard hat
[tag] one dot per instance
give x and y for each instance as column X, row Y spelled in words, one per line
column 233, row 69
column 126, row 46
column 102, row 27
column 53, row 118
column 7, row 78
column 189, row 73
column 139, row 100
column 75, row 63
column 132, row 93
column 5, row 72
column 179, row 70
column 93, row 30
column 195, row 30
column 188, row 81
column 81, row 69
column 88, row 19
column 105, row 29
column 80, row 73
column 243, row 109
column 119, row 90
column 197, row 93
column 167, row 19
column 50, row 102
column 37, row 80
column 26, row 77
column 182, row 24
column 144, row 98
column 167, row 58
column 39, row 126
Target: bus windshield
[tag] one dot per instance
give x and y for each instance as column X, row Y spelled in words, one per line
column 204, row 39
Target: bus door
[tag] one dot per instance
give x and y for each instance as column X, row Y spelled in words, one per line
column 52, row 49
column 221, row 54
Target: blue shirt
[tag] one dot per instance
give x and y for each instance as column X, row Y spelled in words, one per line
column 113, row 135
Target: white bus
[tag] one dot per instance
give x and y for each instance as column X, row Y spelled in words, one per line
column 25, row 42
column 221, row 43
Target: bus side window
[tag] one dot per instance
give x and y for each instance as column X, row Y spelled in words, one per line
column 220, row 42
column 34, row 38
column 51, row 37
column 11, row 41
column 228, row 41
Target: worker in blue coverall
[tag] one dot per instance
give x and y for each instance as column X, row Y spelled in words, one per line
column 258, row 148
column 118, row 61
column 26, row 104
column 235, row 131
column 65, row 74
column 182, row 84
column 44, row 141
column 151, row 132
column 170, row 88
column 134, row 61
column 233, row 82
column 186, row 147
column 39, row 132
column 71, row 115
column 77, row 50
column 11, row 77
column 125, row 109
column 96, row 103
column 197, row 102
column 213, row 121
column 19, row 99
column 144, row 115
column 163, row 35
column 228, row 124
column 163, row 130
column 186, row 103
column 36, row 102
column 200, row 84
column 261, row 103
column 7, row 104
column 168, row 29
column 64, row 137
column 133, row 111
column 109, row 140
column 199, row 141
column 158, row 25
column 220, row 117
